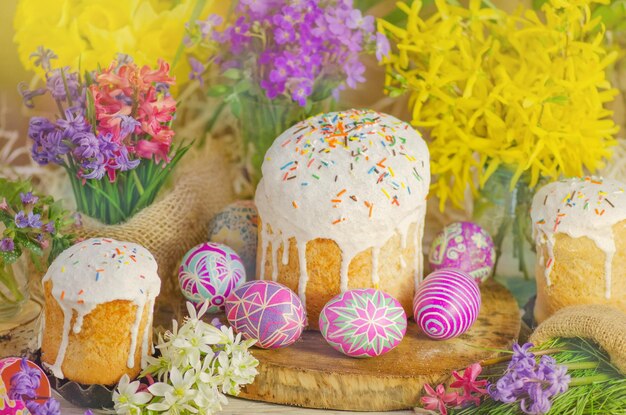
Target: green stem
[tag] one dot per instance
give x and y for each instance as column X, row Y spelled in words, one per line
column 588, row 380
column 140, row 188
column 7, row 278
column 582, row 365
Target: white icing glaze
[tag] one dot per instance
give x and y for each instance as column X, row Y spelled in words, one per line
column 98, row 271
column 579, row 207
column 355, row 177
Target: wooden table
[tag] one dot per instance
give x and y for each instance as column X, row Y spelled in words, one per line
column 243, row 407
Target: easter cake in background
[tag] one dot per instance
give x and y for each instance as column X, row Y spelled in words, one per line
column 341, row 205
column 580, row 230
column 99, row 300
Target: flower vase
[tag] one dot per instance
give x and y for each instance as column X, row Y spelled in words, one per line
column 14, row 287
column 261, row 121
column 504, row 211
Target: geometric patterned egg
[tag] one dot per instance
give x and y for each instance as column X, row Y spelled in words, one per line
column 363, row 322
column 210, row 271
column 464, row 246
column 446, row 304
column 237, row 226
column 267, row 312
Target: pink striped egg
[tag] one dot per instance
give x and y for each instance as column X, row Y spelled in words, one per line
column 446, row 304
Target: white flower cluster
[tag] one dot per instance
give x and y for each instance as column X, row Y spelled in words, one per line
column 198, row 364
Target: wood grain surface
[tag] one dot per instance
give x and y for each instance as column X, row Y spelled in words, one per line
column 312, row 374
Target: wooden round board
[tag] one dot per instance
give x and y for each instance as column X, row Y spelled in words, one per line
column 312, row 374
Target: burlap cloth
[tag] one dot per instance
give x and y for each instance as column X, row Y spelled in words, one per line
column 604, row 325
column 178, row 220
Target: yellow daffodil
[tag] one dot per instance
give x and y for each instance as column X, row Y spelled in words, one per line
column 494, row 89
column 90, row 33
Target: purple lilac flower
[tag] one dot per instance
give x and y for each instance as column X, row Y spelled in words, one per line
column 49, row 228
column 21, row 220
column 301, row 91
column 42, row 57
column 307, row 42
column 197, row 69
column 207, row 26
column 382, row 46
column 34, row 220
column 28, row 95
column 32, row 406
column 28, row 198
column 25, row 382
column 7, row 245
column 74, row 122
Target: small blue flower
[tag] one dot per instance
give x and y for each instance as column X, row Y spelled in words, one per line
column 28, row 198
column 21, row 220
column 7, row 245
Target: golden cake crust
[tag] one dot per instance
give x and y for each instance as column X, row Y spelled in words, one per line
column 578, row 274
column 98, row 354
column 323, row 257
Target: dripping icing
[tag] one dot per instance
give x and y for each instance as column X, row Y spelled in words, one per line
column 98, row 271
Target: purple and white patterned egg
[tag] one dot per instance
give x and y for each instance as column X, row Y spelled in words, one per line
column 446, row 304
column 210, row 271
column 267, row 312
column 363, row 322
column 237, row 226
column 464, row 246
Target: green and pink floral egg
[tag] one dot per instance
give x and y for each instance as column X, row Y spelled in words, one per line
column 210, row 271
column 363, row 322
column 464, row 246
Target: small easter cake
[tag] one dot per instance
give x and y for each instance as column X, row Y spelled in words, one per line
column 99, row 300
column 580, row 230
column 341, row 205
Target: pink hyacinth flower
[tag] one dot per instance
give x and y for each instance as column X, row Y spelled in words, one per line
column 469, row 384
column 438, row 399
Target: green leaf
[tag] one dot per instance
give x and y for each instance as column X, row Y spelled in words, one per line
column 218, row 90
column 232, row 73
column 557, row 99
column 242, row 86
column 537, row 4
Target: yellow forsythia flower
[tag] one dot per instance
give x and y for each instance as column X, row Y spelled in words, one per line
column 494, row 89
column 90, row 33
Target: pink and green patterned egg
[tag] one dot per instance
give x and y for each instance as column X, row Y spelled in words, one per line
column 210, row 271
column 363, row 322
column 446, row 304
column 267, row 312
column 12, row 407
column 465, row 246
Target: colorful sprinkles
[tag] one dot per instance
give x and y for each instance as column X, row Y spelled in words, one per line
column 362, row 136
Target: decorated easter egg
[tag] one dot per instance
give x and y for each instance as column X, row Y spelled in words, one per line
column 464, row 246
column 12, row 365
column 363, row 322
column 236, row 226
column 210, row 271
column 267, row 312
column 446, row 304
column 12, row 407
